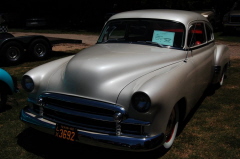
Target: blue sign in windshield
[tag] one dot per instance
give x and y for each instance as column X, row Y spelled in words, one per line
column 163, row 37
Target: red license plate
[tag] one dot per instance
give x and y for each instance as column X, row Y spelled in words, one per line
column 66, row 132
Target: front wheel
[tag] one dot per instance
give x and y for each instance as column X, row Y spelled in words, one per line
column 172, row 127
column 12, row 52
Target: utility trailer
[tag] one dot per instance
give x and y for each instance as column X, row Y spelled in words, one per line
column 14, row 49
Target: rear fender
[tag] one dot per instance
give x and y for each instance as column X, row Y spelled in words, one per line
column 221, row 60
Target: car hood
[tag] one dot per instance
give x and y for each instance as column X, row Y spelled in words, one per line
column 102, row 71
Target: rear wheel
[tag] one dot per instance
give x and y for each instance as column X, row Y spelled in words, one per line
column 172, row 127
column 221, row 80
column 223, row 76
column 39, row 49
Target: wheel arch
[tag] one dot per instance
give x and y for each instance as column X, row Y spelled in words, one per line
column 5, row 87
column 182, row 107
column 6, row 81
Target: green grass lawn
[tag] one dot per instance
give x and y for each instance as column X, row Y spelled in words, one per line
column 211, row 132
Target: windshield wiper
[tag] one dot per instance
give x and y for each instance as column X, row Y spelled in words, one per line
column 150, row 42
column 114, row 40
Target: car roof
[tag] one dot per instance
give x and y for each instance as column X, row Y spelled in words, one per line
column 168, row 14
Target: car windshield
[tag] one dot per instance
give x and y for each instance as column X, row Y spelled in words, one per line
column 161, row 33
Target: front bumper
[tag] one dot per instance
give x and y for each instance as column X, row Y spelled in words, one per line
column 96, row 139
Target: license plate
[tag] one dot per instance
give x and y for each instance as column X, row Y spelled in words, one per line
column 66, row 132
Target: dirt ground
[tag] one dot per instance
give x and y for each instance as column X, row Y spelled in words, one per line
column 89, row 40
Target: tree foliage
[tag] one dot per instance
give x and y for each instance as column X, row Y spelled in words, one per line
column 92, row 12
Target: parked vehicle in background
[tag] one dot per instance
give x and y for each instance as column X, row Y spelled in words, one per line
column 231, row 20
column 133, row 88
column 36, row 23
column 14, row 49
column 8, row 86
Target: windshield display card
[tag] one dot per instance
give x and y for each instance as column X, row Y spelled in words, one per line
column 163, row 37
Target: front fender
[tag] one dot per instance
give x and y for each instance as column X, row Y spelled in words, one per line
column 165, row 87
column 7, row 79
column 40, row 76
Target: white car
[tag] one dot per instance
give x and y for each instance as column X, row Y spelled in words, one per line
column 131, row 90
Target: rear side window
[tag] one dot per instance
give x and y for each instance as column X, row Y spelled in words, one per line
column 196, row 34
column 209, row 33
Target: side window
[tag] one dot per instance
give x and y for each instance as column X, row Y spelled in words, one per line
column 196, row 34
column 209, row 33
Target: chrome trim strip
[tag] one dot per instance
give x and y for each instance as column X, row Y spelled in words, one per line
column 79, row 100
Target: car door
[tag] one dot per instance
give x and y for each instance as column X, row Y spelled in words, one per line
column 201, row 55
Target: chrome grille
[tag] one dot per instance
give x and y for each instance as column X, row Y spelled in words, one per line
column 85, row 114
column 78, row 107
column 79, row 121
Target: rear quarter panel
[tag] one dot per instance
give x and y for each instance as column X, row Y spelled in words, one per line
column 221, row 60
column 222, row 55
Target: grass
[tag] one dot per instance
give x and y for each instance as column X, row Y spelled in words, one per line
column 212, row 131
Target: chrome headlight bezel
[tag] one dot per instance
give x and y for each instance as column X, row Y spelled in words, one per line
column 27, row 83
column 141, row 102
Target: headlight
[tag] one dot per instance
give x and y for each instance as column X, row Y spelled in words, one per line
column 141, row 102
column 27, row 83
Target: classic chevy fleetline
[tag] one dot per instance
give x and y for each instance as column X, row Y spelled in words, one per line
column 131, row 90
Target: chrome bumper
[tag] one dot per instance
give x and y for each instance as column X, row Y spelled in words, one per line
column 97, row 139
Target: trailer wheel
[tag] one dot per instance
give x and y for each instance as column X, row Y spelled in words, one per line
column 39, row 49
column 12, row 52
